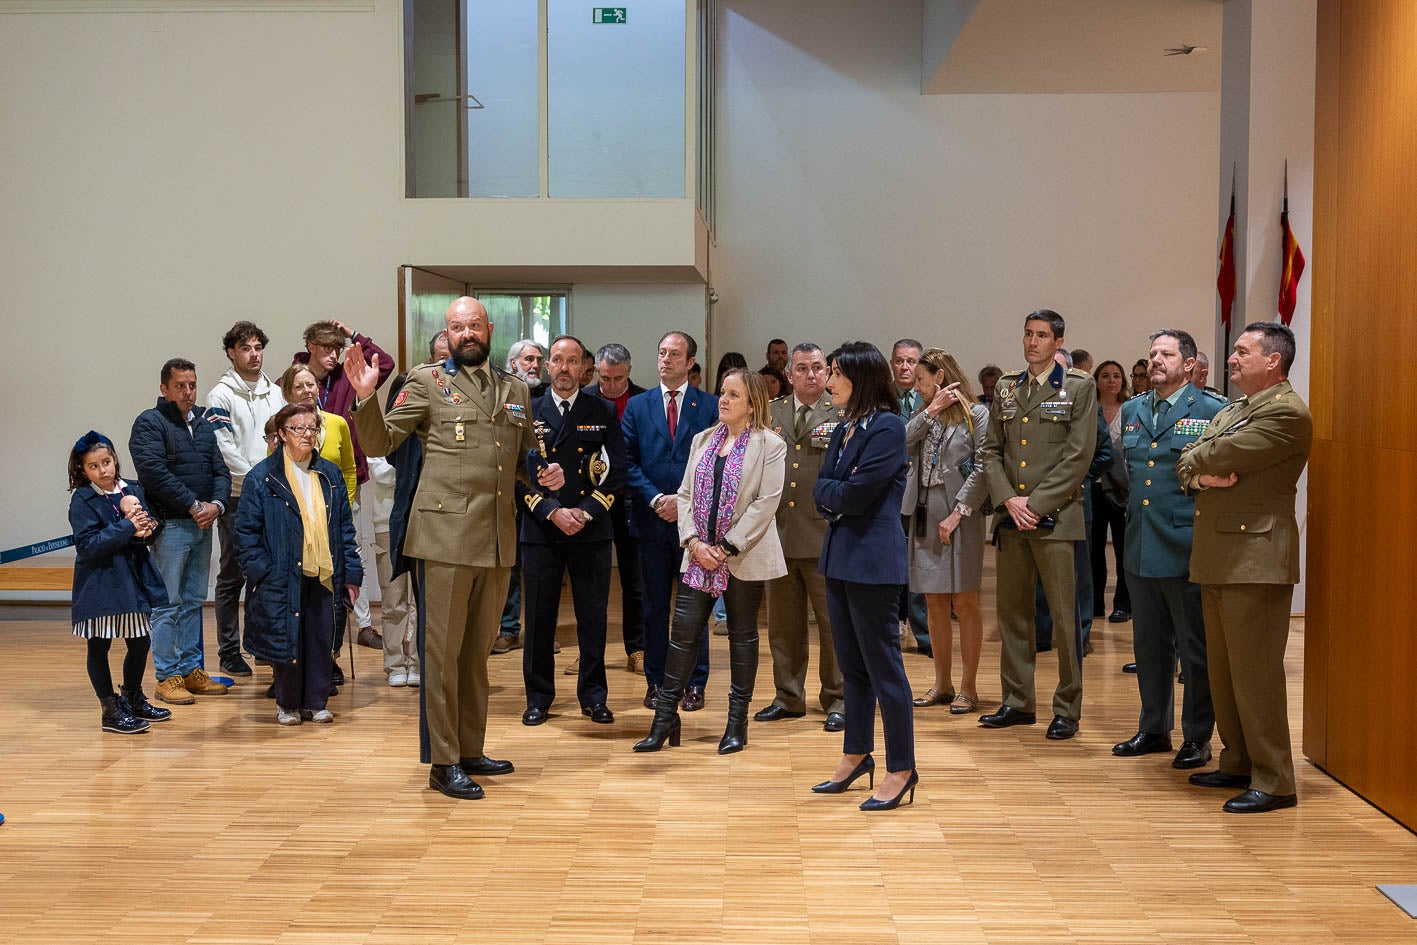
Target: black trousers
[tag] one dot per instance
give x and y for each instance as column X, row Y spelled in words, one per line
column 135, row 662
column 742, row 600
column 305, row 684
column 866, row 635
column 1107, row 516
column 229, row 582
column 543, row 566
column 632, row 585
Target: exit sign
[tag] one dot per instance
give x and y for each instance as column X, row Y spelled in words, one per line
column 609, row 15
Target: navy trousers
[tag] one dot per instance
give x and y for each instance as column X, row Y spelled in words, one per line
column 866, row 635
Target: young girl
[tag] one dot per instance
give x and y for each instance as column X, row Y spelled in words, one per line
column 116, row 584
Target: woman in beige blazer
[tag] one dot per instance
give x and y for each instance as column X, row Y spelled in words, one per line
column 727, row 503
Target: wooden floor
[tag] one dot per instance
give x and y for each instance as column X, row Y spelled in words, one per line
column 221, row 828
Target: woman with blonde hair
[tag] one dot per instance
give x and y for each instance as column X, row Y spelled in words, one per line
column 299, row 386
column 727, row 507
column 943, row 496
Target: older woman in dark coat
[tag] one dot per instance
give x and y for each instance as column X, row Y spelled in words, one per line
column 295, row 541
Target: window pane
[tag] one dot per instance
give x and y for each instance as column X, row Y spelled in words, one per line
column 616, row 101
column 503, row 135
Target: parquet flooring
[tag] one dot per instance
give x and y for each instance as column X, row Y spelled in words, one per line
column 220, row 828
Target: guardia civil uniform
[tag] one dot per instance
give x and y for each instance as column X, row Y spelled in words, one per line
column 1245, row 557
column 475, row 427
column 1041, row 438
column 807, row 429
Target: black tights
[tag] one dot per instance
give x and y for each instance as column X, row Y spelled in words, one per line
column 135, row 663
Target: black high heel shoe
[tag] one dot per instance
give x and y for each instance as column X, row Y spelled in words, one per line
column 891, row 804
column 867, row 767
column 659, row 734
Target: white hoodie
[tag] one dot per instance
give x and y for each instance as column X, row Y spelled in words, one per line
column 241, row 416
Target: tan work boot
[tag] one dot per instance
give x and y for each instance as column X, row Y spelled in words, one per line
column 199, row 683
column 635, row 662
column 174, row 691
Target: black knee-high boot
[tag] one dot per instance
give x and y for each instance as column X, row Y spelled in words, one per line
column 678, row 664
column 743, row 670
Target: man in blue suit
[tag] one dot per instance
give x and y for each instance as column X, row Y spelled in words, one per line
column 659, row 427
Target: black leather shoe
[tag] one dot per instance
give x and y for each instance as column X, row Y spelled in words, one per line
column 1119, row 616
column 651, row 694
column 485, row 765
column 1258, row 802
column 236, row 667
column 534, row 715
column 836, row 722
column 1061, row 728
column 336, row 675
column 926, row 651
column 1219, row 779
column 271, row 691
column 1191, row 755
column 599, row 712
column 693, row 699
column 453, row 781
column 1129, row 668
column 1142, row 743
column 775, row 713
column 1006, row 716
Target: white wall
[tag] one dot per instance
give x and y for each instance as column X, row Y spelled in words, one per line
column 637, row 316
column 852, row 206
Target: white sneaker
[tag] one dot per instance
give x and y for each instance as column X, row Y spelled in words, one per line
column 287, row 716
column 398, row 680
column 322, row 716
column 414, row 680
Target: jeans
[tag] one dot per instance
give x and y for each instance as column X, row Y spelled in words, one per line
column 182, row 554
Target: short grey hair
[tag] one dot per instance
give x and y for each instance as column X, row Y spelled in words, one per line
column 806, row 347
column 516, row 351
column 613, row 354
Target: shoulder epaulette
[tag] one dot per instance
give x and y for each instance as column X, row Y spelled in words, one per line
column 1077, row 372
column 1215, row 395
column 782, row 399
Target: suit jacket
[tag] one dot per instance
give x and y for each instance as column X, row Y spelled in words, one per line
column 1159, row 511
column 654, row 464
column 1247, row 533
column 799, row 528
column 859, row 491
column 1040, row 445
column 751, row 528
column 576, row 442
column 957, row 447
column 464, row 509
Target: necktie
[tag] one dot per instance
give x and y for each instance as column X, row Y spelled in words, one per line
column 483, row 387
column 671, row 413
column 801, row 424
column 1163, row 407
column 907, row 403
column 565, row 411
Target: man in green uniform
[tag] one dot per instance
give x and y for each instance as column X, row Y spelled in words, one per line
column 1042, row 434
column 476, row 428
column 1244, row 470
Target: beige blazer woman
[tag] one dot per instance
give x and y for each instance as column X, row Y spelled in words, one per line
column 751, row 530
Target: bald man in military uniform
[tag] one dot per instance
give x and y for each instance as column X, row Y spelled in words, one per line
column 1245, row 470
column 1041, row 438
column 475, row 425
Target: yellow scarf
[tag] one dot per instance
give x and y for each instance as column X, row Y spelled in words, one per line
column 315, row 558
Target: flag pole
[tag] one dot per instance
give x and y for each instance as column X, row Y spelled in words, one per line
column 1225, row 326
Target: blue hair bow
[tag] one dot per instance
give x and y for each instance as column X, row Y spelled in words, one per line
column 92, row 440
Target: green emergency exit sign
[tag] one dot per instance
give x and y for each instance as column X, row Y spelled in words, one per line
column 609, row 15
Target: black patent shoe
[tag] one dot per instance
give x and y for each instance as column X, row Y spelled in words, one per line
column 891, row 803
column 599, row 713
column 453, row 781
column 1061, row 729
column 117, row 718
column 735, row 738
column 1219, row 779
column 775, row 713
column 1142, row 743
column 141, row 708
column 661, row 732
column 1006, row 716
column 485, row 765
column 1258, row 802
column 1191, row 755
column 867, row 767
column 336, row 675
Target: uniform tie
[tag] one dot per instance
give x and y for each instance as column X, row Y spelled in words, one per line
column 565, row 408
column 801, row 424
column 1163, row 407
column 671, row 413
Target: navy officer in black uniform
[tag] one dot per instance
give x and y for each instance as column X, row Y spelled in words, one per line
column 569, row 530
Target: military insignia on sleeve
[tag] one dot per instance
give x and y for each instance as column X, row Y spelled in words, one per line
column 399, row 400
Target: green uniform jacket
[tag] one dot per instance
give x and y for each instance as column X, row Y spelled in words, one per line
column 1040, row 446
column 1247, row 533
column 800, row 527
column 464, row 512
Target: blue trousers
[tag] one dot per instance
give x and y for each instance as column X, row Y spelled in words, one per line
column 866, row 635
column 182, row 555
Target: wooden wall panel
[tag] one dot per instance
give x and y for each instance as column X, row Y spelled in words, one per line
column 1360, row 686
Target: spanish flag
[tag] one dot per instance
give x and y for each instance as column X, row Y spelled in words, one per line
column 1292, row 262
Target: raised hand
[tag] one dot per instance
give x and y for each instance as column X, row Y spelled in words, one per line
column 362, row 374
column 942, row 399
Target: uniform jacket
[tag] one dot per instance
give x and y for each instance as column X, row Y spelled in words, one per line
column 407, row 461
column 337, row 396
column 177, row 467
column 1247, row 533
column 859, row 491
column 576, row 442
column 799, row 527
column 654, row 464
column 113, row 572
column 240, row 414
column 270, row 538
column 464, row 508
column 1041, row 445
column 751, row 529
column 957, row 447
column 1159, row 511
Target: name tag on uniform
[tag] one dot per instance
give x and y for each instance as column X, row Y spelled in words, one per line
column 1056, row 408
column 590, row 428
column 1191, row 426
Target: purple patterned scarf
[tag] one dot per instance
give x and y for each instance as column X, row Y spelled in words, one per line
column 715, row 582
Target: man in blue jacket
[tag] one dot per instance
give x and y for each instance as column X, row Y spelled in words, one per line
column 174, row 449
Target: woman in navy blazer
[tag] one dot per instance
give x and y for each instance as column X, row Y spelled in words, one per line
column 863, row 559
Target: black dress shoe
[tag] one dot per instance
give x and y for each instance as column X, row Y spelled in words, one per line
column 485, row 765
column 926, row 651
column 1006, row 716
column 1142, row 743
column 236, row 667
column 1191, row 755
column 271, row 691
column 1219, row 779
column 775, row 713
column 1061, row 728
column 1129, row 668
column 693, row 698
column 1119, row 616
column 453, row 781
column 651, row 694
column 599, row 712
column 534, row 715
column 836, row 722
column 1258, row 802
column 337, row 675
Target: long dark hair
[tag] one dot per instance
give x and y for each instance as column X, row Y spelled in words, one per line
column 86, row 444
column 872, row 387
column 728, row 362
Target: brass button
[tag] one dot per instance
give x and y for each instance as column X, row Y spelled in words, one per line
column 1022, row 464
column 798, row 446
column 794, row 465
column 1055, row 419
column 792, row 505
column 580, row 449
column 1143, row 501
column 498, row 443
column 1022, row 486
column 440, row 505
column 1151, row 462
column 499, row 492
column 1025, row 419
column 499, row 468
column 1242, row 528
column 1153, row 446
column 1148, row 482
column 793, row 484
column 582, row 492
column 1198, row 513
column 1022, row 442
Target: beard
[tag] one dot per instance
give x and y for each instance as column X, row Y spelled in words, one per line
column 471, row 353
column 533, row 381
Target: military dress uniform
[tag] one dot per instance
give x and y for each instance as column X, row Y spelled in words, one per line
column 1245, row 557
column 807, row 429
column 1166, row 605
column 585, row 440
column 1040, row 444
column 475, row 428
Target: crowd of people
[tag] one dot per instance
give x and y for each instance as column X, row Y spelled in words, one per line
column 853, row 491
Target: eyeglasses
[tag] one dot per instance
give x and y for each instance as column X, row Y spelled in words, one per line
column 304, row 431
